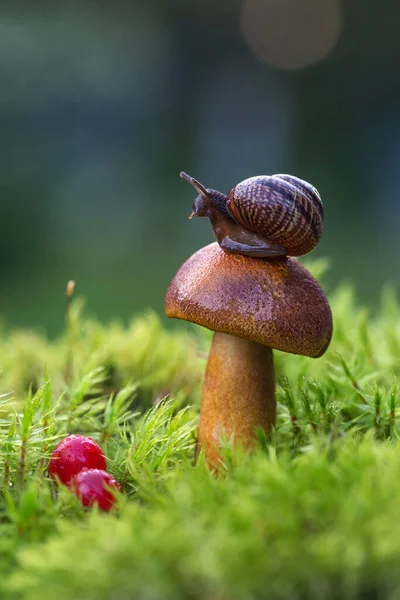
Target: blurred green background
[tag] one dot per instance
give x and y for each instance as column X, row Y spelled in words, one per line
column 103, row 103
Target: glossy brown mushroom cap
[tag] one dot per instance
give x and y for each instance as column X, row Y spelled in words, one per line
column 273, row 302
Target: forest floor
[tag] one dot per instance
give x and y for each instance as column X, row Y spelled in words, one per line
column 312, row 513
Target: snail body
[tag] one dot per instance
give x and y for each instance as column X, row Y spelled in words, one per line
column 263, row 216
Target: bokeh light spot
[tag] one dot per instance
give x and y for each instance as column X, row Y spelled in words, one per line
column 291, row 34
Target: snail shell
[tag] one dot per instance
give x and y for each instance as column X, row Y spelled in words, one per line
column 264, row 216
column 285, row 210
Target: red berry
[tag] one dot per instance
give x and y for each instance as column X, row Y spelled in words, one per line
column 73, row 454
column 91, row 487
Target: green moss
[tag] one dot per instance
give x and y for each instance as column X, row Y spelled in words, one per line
column 312, row 513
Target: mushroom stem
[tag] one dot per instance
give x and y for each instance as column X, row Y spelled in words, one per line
column 238, row 393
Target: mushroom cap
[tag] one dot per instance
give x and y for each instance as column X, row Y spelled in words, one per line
column 277, row 303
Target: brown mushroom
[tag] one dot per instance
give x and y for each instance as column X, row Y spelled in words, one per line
column 253, row 305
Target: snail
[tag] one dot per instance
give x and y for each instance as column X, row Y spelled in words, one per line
column 263, row 216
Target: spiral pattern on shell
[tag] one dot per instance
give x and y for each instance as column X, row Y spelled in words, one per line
column 286, row 210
